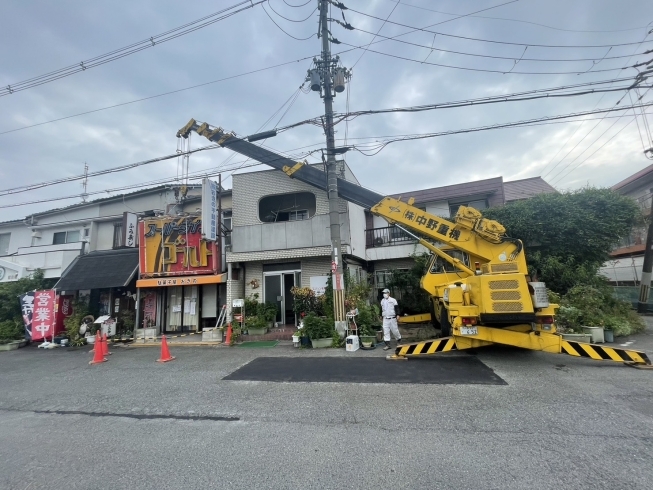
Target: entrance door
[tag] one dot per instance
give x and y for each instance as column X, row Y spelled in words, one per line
column 277, row 290
column 273, row 293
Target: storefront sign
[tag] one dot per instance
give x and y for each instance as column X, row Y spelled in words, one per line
column 129, row 227
column 63, row 309
column 182, row 281
column 209, row 206
column 149, row 308
column 174, row 247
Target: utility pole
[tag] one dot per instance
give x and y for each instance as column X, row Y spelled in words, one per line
column 645, row 283
column 328, row 78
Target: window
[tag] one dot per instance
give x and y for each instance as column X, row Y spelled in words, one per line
column 439, row 265
column 479, row 205
column 382, row 278
column 65, row 237
column 117, row 235
column 298, row 215
column 226, row 226
column 287, row 207
column 4, row 243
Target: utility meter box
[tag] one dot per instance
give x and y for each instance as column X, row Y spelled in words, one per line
column 352, row 344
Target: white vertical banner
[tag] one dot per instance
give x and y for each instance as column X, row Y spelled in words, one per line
column 209, row 206
column 129, row 227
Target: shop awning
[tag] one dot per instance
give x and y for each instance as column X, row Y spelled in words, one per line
column 160, row 282
column 100, row 270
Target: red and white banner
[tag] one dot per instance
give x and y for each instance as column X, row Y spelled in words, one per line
column 63, row 309
column 43, row 315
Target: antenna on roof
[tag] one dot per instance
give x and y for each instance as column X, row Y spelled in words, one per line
column 85, row 183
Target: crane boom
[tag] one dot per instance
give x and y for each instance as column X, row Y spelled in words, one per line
column 494, row 303
column 299, row 170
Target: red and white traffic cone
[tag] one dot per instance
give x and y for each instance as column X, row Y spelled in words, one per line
column 165, row 353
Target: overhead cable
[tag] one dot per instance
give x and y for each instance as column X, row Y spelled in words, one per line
column 494, row 41
column 128, row 50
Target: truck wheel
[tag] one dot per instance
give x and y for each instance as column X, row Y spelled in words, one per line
column 445, row 324
column 434, row 317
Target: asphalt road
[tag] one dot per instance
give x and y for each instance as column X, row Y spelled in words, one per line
column 558, row 422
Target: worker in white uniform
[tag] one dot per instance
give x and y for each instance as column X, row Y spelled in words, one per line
column 390, row 313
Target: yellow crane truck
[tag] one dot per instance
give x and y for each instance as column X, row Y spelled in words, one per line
column 477, row 277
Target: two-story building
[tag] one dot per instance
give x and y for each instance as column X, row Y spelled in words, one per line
column 281, row 238
column 388, row 248
column 627, row 259
column 92, row 248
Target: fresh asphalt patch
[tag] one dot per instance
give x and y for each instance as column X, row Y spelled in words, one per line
column 443, row 370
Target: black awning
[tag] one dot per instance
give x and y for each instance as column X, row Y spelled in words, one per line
column 99, row 270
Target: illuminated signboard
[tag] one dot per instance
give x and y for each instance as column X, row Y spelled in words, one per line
column 174, row 247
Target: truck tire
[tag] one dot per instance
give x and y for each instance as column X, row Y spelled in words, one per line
column 445, row 324
column 434, row 316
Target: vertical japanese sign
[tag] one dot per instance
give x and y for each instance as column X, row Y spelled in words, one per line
column 149, row 309
column 43, row 315
column 129, row 229
column 209, row 206
column 27, row 309
column 63, row 309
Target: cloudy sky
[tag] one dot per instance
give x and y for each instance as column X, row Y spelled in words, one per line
column 41, row 36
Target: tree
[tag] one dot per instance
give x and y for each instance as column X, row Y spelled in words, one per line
column 10, row 291
column 414, row 299
column 568, row 236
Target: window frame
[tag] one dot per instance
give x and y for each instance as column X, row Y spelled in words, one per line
column 6, row 251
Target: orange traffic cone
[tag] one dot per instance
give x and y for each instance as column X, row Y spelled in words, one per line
column 229, row 330
column 105, row 346
column 97, row 341
column 98, row 357
column 165, row 353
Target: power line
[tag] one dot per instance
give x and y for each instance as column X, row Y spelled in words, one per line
column 599, row 148
column 192, row 176
column 476, row 102
column 31, row 187
column 503, row 72
column 282, row 30
column 581, row 124
column 432, row 48
column 291, row 20
column 380, row 145
column 493, row 41
column 128, row 50
column 404, row 4
column 157, row 95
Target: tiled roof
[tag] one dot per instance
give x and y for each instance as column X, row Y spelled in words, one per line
column 449, row 192
column 525, row 188
column 633, row 178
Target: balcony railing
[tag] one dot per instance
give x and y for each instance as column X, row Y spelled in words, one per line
column 384, row 237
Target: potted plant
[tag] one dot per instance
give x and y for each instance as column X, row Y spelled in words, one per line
column 269, row 312
column 256, row 325
column 319, row 330
column 366, row 320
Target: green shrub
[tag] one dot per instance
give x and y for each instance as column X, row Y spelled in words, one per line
column 317, row 327
column 590, row 305
column 11, row 330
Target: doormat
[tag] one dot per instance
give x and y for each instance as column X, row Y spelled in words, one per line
column 442, row 370
column 258, row 344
